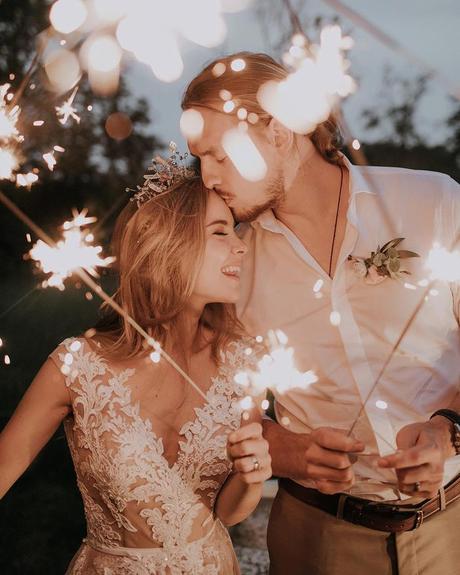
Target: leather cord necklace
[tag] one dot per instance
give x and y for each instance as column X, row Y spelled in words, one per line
column 336, row 221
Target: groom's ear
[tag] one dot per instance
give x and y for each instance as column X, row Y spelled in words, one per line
column 280, row 136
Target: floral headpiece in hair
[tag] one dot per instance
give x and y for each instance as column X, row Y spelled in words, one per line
column 163, row 174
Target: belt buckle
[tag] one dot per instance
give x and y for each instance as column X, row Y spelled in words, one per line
column 418, row 520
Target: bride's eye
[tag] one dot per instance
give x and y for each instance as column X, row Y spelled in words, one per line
column 221, row 160
column 220, row 233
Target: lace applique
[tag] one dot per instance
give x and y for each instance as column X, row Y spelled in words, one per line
column 126, row 481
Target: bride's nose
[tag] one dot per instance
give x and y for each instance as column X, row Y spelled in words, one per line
column 240, row 247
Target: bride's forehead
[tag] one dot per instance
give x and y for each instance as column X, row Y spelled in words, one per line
column 217, row 209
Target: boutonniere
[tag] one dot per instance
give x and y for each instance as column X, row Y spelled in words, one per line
column 383, row 263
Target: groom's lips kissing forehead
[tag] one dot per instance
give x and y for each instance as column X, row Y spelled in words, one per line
column 223, row 195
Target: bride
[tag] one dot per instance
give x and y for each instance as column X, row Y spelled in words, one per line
column 161, row 470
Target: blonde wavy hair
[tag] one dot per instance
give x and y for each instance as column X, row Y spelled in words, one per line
column 204, row 90
column 159, row 249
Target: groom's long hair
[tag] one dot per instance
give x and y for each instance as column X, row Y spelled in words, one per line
column 206, row 90
column 159, row 249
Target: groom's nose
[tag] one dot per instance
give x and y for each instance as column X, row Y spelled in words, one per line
column 210, row 177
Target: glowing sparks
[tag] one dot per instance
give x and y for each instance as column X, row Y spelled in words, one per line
column 229, row 106
column 265, row 404
column 80, row 219
column 8, row 163
column 75, row 346
column 238, row 65
column 67, row 109
column 244, row 155
column 9, row 134
column 192, row 124
column 104, row 54
column 219, row 69
column 306, row 97
column 50, row 160
column 247, row 402
column 63, row 69
column 69, row 254
column 318, row 285
column 7, row 360
column 26, row 180
column 335, row 318
column 276, row 370
column 68, row 15
column 200, row 22
column 443, row 264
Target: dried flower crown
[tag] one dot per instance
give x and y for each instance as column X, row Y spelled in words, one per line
column 162, row 176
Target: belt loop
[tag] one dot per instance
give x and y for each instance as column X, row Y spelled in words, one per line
column 442, row 499
column 341, row 505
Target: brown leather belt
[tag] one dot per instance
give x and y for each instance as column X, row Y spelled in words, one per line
column 373, row 514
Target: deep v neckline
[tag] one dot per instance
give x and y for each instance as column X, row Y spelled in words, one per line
column 122, row 376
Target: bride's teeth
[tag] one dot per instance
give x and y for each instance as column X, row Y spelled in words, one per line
column 235, row 270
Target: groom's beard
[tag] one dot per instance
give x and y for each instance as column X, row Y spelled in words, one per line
column 274, row 198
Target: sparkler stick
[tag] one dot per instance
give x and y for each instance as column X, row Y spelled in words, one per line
column 408, row 324
column 22, row 86
column 16, row 303
column 88, row 280
column 294, row 17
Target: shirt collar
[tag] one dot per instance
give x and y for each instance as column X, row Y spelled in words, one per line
column 359, row 184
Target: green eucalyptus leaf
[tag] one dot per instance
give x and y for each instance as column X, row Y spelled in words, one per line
column 407, row 254
column 392, row 244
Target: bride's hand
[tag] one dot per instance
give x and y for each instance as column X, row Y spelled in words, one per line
column 249, row 452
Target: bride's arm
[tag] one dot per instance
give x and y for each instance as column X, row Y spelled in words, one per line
column 242, row 491
column 45, row 404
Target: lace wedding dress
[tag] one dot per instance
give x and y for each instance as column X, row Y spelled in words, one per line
column 144, row 514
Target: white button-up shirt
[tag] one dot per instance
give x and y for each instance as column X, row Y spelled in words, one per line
column 283, row 287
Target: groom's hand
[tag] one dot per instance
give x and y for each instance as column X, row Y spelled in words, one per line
column 419, row 461
column 324, row 456
column 329, row 459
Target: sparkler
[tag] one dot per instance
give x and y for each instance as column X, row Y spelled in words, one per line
column 70, row 253
column 275, row 371
column 306, row 97
column 8, row 163
column 67, row 109
column 8, row 117
column 443, row 264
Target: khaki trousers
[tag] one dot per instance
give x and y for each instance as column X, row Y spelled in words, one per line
column 303, row 540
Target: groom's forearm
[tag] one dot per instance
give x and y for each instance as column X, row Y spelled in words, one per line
column 287, row 450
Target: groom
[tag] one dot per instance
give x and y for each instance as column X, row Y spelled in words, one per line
column 386, row 498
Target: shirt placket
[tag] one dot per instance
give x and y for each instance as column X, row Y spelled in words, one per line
column 352, row 342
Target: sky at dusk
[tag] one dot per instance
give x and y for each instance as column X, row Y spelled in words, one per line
column 427, row 28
